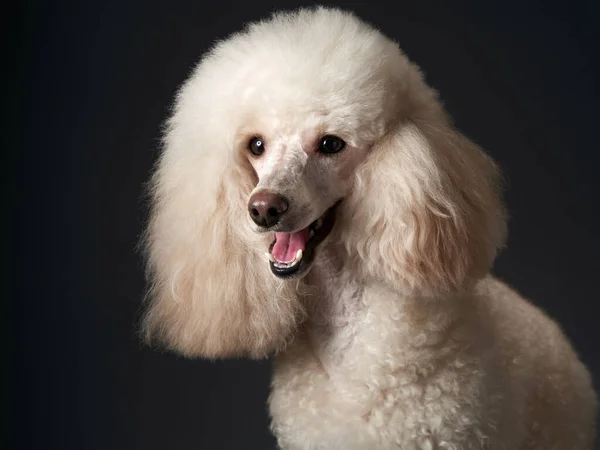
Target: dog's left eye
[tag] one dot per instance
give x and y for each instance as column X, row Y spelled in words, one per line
column 331, row 144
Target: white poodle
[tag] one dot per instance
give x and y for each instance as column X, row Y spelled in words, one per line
column 314, row 201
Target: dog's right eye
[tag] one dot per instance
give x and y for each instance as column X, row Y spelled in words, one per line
column 256, row 146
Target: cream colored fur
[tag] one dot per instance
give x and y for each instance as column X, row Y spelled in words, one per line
column 397, row 338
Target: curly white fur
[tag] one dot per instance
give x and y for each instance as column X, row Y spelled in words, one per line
column 397, row 338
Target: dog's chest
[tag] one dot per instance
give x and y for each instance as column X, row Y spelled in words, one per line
column 360, row 376
column 321, row 384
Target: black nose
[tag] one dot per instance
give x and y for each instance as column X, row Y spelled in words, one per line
column 266, row 208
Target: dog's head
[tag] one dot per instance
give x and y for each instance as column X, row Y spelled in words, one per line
column 300, row 125
column 310, row 102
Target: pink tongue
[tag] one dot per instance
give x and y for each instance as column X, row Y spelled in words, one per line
column 287, row 245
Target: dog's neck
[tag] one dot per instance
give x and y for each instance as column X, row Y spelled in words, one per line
column 334, row 304
column 339, row 306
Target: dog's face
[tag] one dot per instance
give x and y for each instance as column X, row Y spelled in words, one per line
column 304, row 168
column 304, row 118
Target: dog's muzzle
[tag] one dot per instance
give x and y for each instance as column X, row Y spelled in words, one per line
column 292, row 253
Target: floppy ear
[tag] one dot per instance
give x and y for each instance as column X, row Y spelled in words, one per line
column 211, row 291
column 426, row 211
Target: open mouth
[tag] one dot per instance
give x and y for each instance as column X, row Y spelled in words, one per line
column 291, row 254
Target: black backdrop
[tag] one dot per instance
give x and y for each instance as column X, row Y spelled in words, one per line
column 90, row 83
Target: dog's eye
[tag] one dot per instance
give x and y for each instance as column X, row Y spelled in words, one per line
column 256, row 146
column 331, row 144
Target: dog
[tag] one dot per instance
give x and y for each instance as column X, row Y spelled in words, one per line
column 313, row 202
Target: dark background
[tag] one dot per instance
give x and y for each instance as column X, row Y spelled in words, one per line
column 86, row 86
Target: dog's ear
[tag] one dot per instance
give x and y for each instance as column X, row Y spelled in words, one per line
column 426, row 211
column 211, row 291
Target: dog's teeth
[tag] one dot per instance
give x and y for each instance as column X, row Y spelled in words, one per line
column 318, row 223
column 285, row 265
